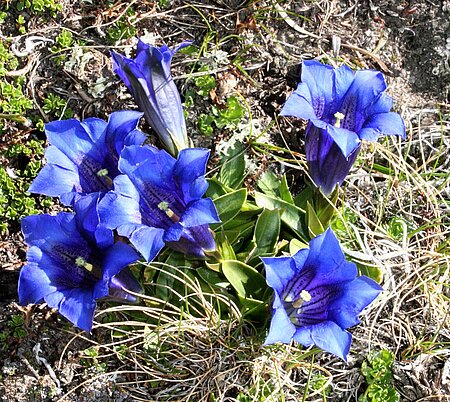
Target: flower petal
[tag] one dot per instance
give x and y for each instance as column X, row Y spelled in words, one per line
column 328, row 261
column 332, row 338
column 281, row 327
column 77, row 305
column 189, row 172
column 383, row 123
column 356, row 295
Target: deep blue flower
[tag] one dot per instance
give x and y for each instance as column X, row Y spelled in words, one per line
column 343, row 108
column 83, row 156
column 317, row 296
column 68, row 270
column 149, row 80
column 158, row 201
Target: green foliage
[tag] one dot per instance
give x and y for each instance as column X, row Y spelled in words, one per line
column 122, row 29
column 8, row 62
column 12, row 100
column 63, row 41
column 91, row 359
column 377, row 370
column 15, row 202
column 39, row 6
column 204, row 84
column 16, row 326
column 55, row 105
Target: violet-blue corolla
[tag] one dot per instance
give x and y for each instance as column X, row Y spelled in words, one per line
column 149, row 79
column 317, row 296
column 342, row 108
column 83, row 156
column 68, row 269
column 158, row 200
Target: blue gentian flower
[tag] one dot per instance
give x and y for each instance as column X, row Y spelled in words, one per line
column 82, row 157
column 342, row 108
column 149, row 80
column 158, row 201
column 68, row 270
column 317, row 296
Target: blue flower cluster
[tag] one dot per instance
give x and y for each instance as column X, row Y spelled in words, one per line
column 116, row 185
column 130, row 200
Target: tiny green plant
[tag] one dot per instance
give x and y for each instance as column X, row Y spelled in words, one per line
column 377, row 370
column 16, row 326
column 55, row 105
column 122, row 29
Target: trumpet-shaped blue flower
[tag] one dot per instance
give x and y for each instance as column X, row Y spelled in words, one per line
column 343, row 108
column 317, row 296
column 149, row 80
column 83, row 156
column 68, row 270
column 158, row 201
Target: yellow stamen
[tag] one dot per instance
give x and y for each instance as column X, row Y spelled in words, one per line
column 339, row 116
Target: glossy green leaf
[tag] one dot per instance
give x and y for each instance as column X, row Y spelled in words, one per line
column 212, row 278
column 371, row 271
column 295, row 245
column 216, row 188
column 247, row 281
column 232, row 172
column 291, row 216
column 229, row 205
column 269, row 183
column 284, row 191
column 267, row 229
column 315, row 228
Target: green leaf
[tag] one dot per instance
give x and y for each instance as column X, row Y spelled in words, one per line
column 295, row 245
column 267, row 230
column 247, row 281
column 291, row 216
column 371, row 271
column 269, row 183
column 232, row 172
column 212, row 278
column 224, row 247
column 285, row 193
column 216, row 188
column 229, row 205
column 315, row 227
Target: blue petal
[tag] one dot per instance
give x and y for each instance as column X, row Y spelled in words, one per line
column 356, row 295
column 59, row 176
column 365, row 90
column 34, row 282
column 70, row 137
column 200, row 212
column 383, row 123
column 320, row 80
column 122, row 282
column 189, row 172
column 77, row 305
column 147, row 240
column 86, row 215
column 344, row 77
column 281, row 327
column 327, row 164
column 146, row 164
column 121, row 206
column 328, row 261
column 331, row 338
column 299, row 104
column 303, row 336
column 383, row 104
column 347, row 141
column 95, row 128
column 116, row 258
column 45, row 230
column 280, row 271
column 120, row 125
